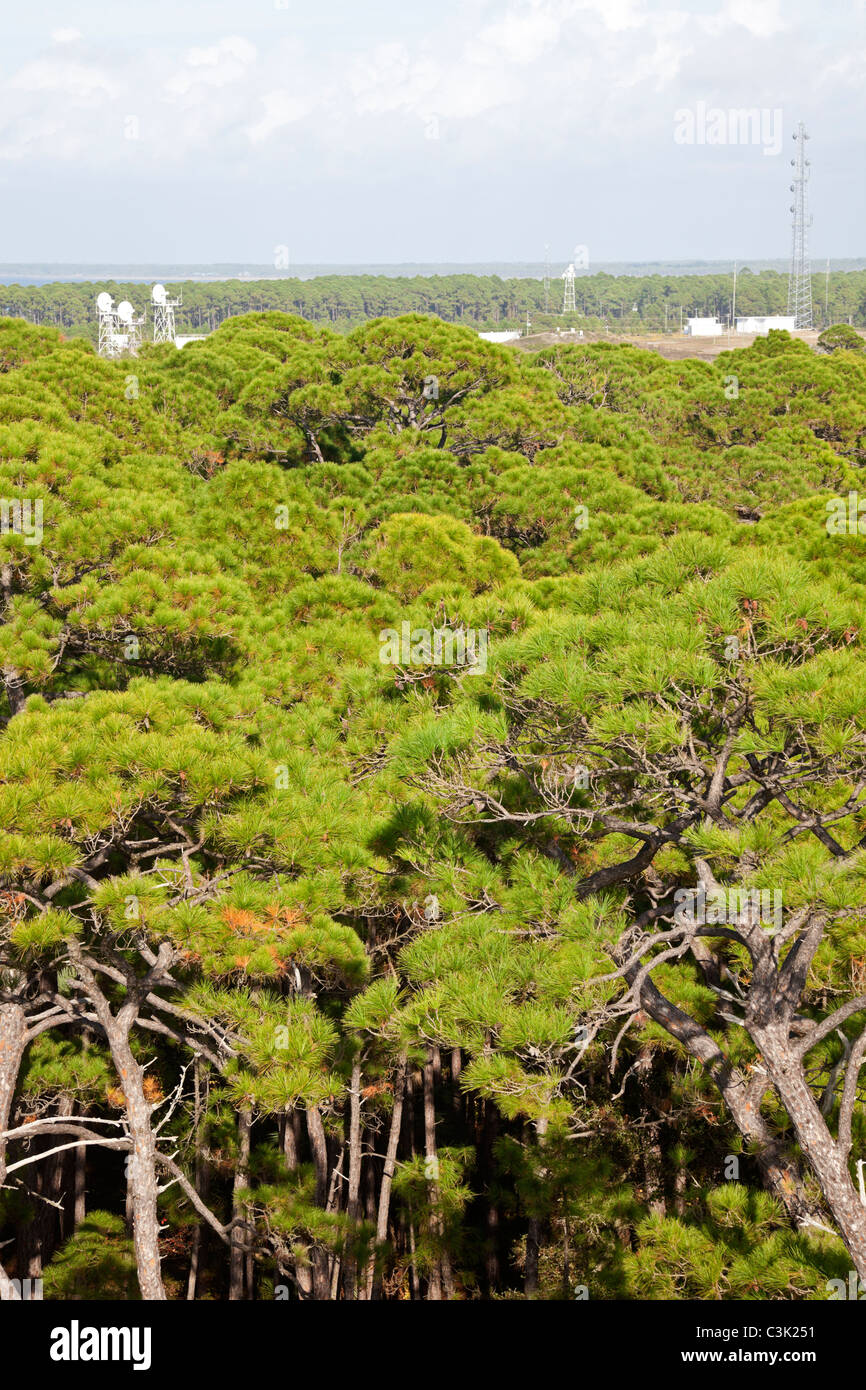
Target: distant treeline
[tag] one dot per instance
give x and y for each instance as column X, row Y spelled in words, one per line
column 484, row 302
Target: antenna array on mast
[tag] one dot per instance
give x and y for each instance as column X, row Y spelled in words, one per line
column 568, row 304
column 164, row 329
column 119, row 329
column 800, row 279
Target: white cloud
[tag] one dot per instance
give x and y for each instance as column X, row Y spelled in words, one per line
column 233, row 47
column 80, row 83
column 281, row 109
column 762, row 18
column 226, row 62
column 522, row 37
column 65, row 35
column 513, row 84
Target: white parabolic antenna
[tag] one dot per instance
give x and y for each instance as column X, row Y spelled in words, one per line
column 103, row 302
column 124, row 311
column 158, row 294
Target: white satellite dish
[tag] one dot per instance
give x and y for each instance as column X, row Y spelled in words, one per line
column 103, row 302
column 158, row 294
column 124, row 311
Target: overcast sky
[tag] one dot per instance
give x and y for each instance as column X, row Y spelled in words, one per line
column 424, row 130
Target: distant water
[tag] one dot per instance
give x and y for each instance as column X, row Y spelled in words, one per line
column 48, row 274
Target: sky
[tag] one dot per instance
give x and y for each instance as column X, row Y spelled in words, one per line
column 273, row 132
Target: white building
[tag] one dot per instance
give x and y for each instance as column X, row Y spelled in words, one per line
column 499, row 337
column 763, row 323
column 181, row 341
column 703, row 328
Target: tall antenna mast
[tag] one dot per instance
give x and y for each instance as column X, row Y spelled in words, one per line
column 546, row 278
column 568, row 304
column 800, row 279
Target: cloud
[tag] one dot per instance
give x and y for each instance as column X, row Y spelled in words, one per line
column 80, row 83
column 513, row 85
column 226, row 62
column 65, row 35
column 762, row 18
column 282, row 108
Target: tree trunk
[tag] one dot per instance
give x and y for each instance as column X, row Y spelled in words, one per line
column 47, row 1228
column 653, row 1166
column 142, row 1162
column 142, row 1170
column 778, row 1168
column 533, row 1231
column 201, row 1182
column 817, row 1143
column 319, row 1150
column 354, row 1189
column 374, row 1287
column 488, row 1170
column 13, row 1041
column 79, row 1186
column 241, row 1180
column 289, row 1139
column 440, row 1282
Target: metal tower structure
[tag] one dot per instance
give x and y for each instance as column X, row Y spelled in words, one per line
column 568, row 304
column 800, row 279
column 107, row 325
column 119, row 329
column 164, row 330
column 130, row 327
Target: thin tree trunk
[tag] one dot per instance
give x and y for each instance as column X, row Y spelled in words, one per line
column 289, row 1139
column 354, row 1189
column 201, row 1186
column 491, row 1258
column 456, row 1069
column 533, row 1231
column 653, row 1163
column 79, row 1186
column 319, row 1150
column 374, row 1285
column 440, row 1282
column 13, row 1041
column 47, row 1226
column 241, row 1180
column 370, row 1212
column 414, row 1283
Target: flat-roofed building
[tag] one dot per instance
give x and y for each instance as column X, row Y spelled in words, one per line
column 762, row 323
column 703, row 328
